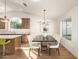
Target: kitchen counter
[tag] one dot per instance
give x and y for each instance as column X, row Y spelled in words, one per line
column 9, row 36
column 4, row 34
column 14, row 32
column 15, row 36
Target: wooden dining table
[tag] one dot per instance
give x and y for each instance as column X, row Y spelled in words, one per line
column 44, row 40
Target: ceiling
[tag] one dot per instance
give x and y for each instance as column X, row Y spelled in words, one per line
column 54, row 8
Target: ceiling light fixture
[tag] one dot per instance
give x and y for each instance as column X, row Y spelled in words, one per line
column 44, row 17
column 5, row 17
column 44, row 23
column 24, row 4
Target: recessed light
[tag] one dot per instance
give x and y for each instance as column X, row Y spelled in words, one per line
column 35, row 0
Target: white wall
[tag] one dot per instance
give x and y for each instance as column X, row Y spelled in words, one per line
column 56, row 27
column 34, row 22
column 72, row 45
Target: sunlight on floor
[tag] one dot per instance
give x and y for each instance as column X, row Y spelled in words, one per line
column 33, row 54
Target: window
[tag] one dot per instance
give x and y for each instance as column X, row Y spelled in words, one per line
column 66, row 28
column 15, row 23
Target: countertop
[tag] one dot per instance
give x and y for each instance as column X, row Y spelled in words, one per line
column 5, row 34
column 9, row 36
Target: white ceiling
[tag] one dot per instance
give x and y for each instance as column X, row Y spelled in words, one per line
column 54, row 8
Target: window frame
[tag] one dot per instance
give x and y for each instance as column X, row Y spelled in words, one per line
column 66, row 28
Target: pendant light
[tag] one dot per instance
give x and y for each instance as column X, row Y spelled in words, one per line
column 45, row 29
column 5, row 17
column 44, row 17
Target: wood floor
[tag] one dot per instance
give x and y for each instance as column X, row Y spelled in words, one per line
column 24, row 54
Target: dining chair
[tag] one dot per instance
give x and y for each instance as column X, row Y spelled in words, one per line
column 33, row 45
column 4, row 42
column 54, row 45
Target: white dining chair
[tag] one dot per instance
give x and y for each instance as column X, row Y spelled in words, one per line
column 54, row 45
column 33, row 45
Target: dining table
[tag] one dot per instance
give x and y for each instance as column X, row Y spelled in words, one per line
column 44, row 41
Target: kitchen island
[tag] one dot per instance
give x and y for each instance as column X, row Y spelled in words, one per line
column 15, row 40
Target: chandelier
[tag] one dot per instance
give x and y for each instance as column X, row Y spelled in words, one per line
column 5, row 16
column 44, row 17
column 44, row 23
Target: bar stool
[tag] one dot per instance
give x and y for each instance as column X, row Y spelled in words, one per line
column 4, row 42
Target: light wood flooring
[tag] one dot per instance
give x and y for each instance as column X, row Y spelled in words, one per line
column 24, row 54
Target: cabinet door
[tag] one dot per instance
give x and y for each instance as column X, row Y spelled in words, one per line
column 25, row 23
column 2, row 25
